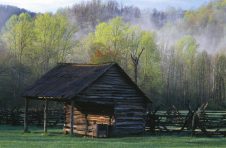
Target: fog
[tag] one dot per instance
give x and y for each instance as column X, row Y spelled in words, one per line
column 206, row 24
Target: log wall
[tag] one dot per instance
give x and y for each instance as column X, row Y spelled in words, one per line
column 113, row 88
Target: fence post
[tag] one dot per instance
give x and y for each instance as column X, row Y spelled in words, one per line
column 26, row 115
column 45, row 116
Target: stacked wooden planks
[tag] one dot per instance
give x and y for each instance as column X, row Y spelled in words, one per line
column 84, row 123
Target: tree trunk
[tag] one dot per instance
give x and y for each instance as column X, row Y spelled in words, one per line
column 135, row 72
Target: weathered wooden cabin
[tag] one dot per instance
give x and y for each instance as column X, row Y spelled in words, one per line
column 100, row 100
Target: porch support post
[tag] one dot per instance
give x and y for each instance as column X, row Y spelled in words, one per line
column 86, row 130
column 72, row 118
column 45, row 115
column 25, row 115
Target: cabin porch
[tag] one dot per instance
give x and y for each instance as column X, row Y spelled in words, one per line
column 88, row 119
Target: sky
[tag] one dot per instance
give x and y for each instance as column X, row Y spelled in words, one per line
column 53, row 5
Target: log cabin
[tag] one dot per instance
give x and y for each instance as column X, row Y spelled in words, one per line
column 99, row 100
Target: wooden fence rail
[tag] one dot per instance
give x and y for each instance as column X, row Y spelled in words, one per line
column 35, row 117
column 211, row 121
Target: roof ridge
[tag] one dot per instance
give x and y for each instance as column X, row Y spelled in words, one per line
column 88, row 64
column 56, row 83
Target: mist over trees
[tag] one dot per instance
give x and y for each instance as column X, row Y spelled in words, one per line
column 7, row 11
column 176, row 56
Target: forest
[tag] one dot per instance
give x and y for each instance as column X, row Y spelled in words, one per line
column 178, row 57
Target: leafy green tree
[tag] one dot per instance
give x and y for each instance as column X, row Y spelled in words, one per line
column 180, row 74
column 144, row 51
column 187, row 50
column 33, row 45
column 203, row 73
column 53, row 39
column 109, row 39
column 134, row 49
column 220, row 78
column 18, row 36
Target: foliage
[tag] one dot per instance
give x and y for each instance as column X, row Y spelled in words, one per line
column 53, row 39
column 110, row 38
column 18, row 36
column 220, row 78
column 116, row 41
column 32, row 47
column 180, row 62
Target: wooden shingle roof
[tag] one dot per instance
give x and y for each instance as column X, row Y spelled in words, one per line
column 67, row 80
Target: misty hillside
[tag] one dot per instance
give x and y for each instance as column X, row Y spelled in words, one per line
column 89, row 14
column 179, row 55
column 206, row 24
column 7, row 11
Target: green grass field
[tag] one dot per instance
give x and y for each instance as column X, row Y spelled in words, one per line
column 13, row 137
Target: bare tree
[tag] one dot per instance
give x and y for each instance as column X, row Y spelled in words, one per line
column 135, row 59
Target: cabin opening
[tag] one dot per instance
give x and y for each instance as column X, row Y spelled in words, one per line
column 90, row 119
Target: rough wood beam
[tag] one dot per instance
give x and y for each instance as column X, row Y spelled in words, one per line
column 72, row 118
column 86, row 124
column 45, row 116
column 25, row 115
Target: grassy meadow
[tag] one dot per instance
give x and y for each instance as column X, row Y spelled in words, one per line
column 13, row 137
